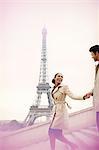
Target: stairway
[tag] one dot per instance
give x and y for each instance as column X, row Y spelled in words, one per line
column 86, row 139
column 83, row 133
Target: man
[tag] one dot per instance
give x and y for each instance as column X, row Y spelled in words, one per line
column 95, row 92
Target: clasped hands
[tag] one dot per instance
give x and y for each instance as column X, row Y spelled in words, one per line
column 87, row 95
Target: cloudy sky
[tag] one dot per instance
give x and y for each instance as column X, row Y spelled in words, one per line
column 72, row 28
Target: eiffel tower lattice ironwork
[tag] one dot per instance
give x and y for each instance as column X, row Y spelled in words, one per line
column 43, row 87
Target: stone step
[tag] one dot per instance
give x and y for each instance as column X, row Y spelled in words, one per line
column 86, row 139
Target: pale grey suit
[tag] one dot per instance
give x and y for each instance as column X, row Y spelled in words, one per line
column 96, row 95
column 96, row 90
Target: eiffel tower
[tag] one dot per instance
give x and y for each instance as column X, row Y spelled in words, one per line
column 43, row 87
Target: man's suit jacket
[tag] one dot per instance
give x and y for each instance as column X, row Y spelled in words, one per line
column 96, row 90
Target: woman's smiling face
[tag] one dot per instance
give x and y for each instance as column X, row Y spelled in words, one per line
column 58, row 79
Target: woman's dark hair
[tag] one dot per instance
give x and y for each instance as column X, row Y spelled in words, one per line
column 53, row 80
column 94, row 49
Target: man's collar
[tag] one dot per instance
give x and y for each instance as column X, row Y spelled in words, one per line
column 96, row 63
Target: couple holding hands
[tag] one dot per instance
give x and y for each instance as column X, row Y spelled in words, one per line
column 59, row 92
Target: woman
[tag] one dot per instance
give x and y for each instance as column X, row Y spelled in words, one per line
column 60, row 115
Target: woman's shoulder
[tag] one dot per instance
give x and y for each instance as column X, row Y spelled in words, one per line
column 63, row 88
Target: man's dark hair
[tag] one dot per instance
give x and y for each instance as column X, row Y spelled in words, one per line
column 94, row 49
